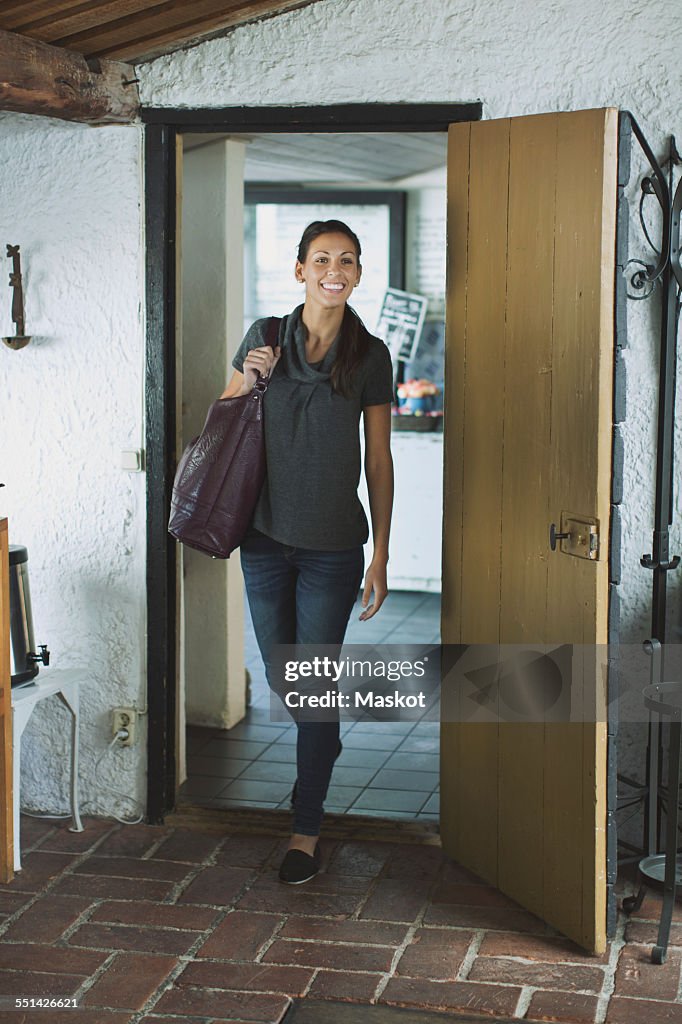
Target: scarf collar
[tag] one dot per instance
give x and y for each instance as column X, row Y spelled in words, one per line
column 294, row 362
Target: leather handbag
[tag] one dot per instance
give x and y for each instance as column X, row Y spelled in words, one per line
column 221, row 472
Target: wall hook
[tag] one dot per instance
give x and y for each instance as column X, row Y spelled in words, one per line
column 18, row 340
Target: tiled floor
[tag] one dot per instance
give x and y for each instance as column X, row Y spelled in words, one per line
column 171, row 925
column 388, row 769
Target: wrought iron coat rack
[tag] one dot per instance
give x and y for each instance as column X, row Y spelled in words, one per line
column 667, row 272
column 665, row 275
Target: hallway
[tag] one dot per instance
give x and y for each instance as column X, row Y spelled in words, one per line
column 388, row 769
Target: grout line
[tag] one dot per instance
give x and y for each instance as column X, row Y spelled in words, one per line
column 609, row 983
column 409, row 935
column 471, row 954
column 258, row 958
column 153, row 849
column 525, row 995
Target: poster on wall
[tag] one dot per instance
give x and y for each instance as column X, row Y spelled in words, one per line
column 400, row 323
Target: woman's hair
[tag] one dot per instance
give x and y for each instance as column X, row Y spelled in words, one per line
column 353, row 332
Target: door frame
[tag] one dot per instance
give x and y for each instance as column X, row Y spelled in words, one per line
column 161, row 128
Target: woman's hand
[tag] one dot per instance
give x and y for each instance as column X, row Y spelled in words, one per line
column 375, row 580
column 259, row 361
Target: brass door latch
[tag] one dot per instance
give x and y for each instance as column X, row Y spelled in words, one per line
column 579, row 536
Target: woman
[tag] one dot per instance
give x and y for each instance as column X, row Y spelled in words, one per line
column 303, row 557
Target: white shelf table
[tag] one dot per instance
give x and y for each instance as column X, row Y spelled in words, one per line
column 63, row 684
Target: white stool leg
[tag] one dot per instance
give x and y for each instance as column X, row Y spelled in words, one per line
column 70, row 697
column 20, row 717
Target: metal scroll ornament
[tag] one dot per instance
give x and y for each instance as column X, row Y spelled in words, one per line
column 19, row 339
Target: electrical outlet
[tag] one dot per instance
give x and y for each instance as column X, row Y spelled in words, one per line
column 125, row 718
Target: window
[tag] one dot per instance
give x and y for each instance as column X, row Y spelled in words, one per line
column 274, row 220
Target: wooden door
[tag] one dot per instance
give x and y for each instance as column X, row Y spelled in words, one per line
column 529, row 368
column 6, row 834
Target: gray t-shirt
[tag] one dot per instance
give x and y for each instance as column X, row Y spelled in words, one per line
column 312, row 440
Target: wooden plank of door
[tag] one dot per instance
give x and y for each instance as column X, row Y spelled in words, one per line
column 453, row 462
column 472, row 749
column 575, row 755
column 525, row 486
column 6, row 831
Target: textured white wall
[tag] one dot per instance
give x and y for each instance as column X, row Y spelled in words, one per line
column 71, row 400
column 517, row 59
column 70, row 195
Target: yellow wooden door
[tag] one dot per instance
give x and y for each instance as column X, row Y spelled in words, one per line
column 528, row 427
column 6, row 836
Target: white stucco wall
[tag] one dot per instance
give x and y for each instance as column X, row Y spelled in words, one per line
column 71, row 401
column 71, row 196
column 517, row 59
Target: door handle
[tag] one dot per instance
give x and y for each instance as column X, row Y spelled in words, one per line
column 581, row 534
column 554, row 536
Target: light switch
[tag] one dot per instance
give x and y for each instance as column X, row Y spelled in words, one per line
column 132, row 460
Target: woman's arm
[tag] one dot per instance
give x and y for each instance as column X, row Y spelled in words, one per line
column 379, row 474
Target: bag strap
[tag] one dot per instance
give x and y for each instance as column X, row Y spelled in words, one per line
column 273, row 332
column 271, row 339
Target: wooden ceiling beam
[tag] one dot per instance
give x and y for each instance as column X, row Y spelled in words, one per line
column 173, row 25
column 49, row 26
column 21, row 17
column 36, row 78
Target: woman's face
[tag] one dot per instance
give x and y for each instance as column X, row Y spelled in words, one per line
column 330, row 271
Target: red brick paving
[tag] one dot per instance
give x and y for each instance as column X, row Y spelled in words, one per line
column 532, row 947
column 38, row 869
column 637, row 976
column 464, row 996
column 641, row 1011
column 49, row 917
column 157, row 924
column 144, row 940
column 435, row 953
column 292, row 981
column 344, row 985
column 38, row 984
column 217, row 886
column 222, row 1005
column 362, row 932
column 162, row 915
column 104, row 887
column 129, row 981
column 562, row 977
column 646, row 932
column 565, row 1007
column 189, row 847
column 130, row 867
column 240, row 936
column 393, row 900
column 344, row 956
column 84, row 1016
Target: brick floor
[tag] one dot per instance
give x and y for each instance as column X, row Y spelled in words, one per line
column 143, row 924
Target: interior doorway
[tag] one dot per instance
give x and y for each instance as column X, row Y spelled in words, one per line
column 245, row 200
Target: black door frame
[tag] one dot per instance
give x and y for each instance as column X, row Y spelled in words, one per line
column 161, row 127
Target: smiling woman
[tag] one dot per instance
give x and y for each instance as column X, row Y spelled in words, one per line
column 303, row 557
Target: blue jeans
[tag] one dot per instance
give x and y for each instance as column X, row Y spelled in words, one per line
column 299, row 596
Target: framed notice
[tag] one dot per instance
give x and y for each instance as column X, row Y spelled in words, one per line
column 400, row 323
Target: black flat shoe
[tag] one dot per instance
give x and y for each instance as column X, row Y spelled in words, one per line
column 293, row 792
column 299, row 866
